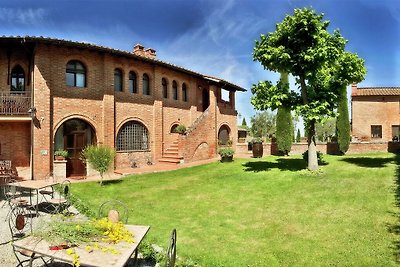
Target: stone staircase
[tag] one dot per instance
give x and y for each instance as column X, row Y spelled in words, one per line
column 171, row 154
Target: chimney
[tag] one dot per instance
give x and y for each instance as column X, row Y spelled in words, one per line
column 138, row 50
column 353, row 89
column 150, row 53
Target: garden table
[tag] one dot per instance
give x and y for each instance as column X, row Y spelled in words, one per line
column 93, row 258
column 35, row 185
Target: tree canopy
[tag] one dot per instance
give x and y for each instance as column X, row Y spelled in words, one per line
column 263, row 124
column 302, row 46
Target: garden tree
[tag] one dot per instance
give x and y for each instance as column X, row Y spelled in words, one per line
column 99, row 157
column 244, row 123
column 263, row 124
column 284, row 123
column 302, row 46
column 343, row 123
column 325, row 129
column 298, row 136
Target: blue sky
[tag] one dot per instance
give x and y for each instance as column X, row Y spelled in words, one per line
column 214, row 37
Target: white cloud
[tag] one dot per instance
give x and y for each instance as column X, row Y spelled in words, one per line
column 22, row 16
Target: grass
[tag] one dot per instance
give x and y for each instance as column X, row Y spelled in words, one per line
column 269, row 211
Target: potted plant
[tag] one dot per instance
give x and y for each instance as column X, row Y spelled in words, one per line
column 257, row 145
column 180, row 129
column 226, row 154
column 60, row 154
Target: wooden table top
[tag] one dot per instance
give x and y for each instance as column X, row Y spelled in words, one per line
column 94, row 258
column 35, row 184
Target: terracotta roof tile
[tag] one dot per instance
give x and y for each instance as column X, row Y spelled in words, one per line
column 377, row 91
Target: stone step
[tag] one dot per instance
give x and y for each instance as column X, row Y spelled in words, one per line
column 170, row 160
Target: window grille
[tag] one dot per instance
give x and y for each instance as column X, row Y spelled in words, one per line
column 133, row 136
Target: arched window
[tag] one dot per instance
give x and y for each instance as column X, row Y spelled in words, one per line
column 132, row 82
column 146, row 84
column 17, row 79
column 76, row 74
column 133, row 135
column 223, row 135
column 184, row 93
column 164, row 87
column 173, row 128
column 118, row 80
column 175, row 90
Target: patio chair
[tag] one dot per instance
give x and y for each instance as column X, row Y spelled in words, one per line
column 47, row 192
column 171, row 252
column 13, row 196
column 114, row 210
column 20, row 224
column 60, row 203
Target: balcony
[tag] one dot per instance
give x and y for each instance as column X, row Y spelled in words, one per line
column 15, row 103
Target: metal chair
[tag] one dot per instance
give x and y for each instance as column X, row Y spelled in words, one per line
column 171, row 252
column 114, row 210
column 47, row 192
column 20, row 224
column 13, row 196
column 61, row 203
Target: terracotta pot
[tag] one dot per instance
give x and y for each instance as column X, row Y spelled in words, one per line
column 59, row 158
column 257, row 150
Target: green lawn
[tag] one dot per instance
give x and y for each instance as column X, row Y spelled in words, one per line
column 269, row 211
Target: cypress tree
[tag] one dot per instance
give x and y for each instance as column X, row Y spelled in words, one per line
column 244, row 123
column 298, row 137
column 284, row 123
column 343, row 123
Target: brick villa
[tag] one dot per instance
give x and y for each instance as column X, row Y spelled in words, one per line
column 58, row 94
column 375, row 113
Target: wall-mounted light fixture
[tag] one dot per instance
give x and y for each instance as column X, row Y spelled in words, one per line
column 32, row 112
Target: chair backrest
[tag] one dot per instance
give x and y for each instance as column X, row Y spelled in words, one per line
column 115, row 210
column 171, row 252
column 10, row 189
column 20, row 223
column 65, row 187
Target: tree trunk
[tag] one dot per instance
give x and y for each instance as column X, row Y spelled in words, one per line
column 312, row 148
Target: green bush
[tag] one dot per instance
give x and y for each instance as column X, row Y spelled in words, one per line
column 181, row 129
column 226, row 152
column 257, row 140
column 319, row 156
column 99, row 157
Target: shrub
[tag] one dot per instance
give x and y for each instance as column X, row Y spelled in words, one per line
column 100, row 157
column 226, row 152
column 61, row 153
column 257, row 140
column 181, row 129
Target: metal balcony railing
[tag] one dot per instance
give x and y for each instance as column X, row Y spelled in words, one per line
column 15, row 103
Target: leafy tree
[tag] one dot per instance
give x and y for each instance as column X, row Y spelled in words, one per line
column 343, row 123
column 263, row 124
column 244, row 123
column 100, row 157
column 298, row 136
column 302, row 46
column 325, row 129
column 284, row 123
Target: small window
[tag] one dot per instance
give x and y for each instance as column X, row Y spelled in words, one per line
column 173, row 128
column 184, row 92
column 17, row 79
column 376, row 131
column 118, row 80
column 132, row 82
column 75, row 74
column 146, row 84
column 395, row 131
column 164, row 87
column 175, row 90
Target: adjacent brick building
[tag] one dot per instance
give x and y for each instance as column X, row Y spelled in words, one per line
column 375, row 113
column 58, row 94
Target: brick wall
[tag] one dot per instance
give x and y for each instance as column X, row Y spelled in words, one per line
column 15, row 140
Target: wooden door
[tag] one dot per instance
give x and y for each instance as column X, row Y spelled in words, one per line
column 74, row 143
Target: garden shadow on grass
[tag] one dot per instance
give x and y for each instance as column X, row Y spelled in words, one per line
column 284, row 164
column 395, row 228
column 368, row 162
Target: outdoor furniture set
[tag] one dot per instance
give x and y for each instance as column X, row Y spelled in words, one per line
column 28, row 247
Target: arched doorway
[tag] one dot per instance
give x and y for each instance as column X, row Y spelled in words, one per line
column 223, row 135
column 74, row 135
column 206, row 98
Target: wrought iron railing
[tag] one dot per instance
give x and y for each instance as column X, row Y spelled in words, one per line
column 15, row 103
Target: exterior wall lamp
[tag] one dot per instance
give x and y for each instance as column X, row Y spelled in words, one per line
column 32, row 112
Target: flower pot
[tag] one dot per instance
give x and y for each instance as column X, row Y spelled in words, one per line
column 257, row 150
column 227, row 158
column 59, row 158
